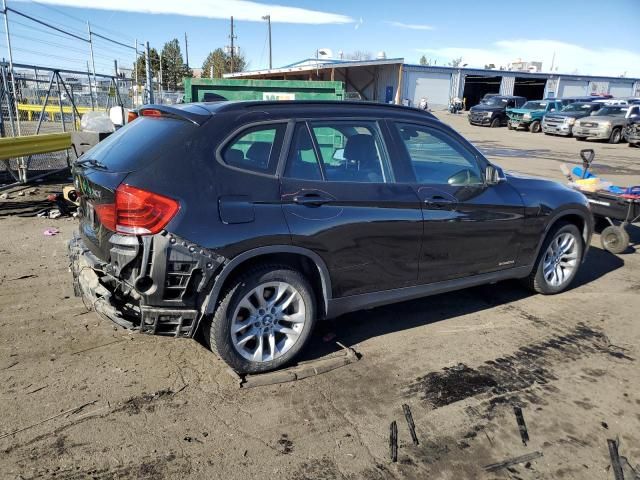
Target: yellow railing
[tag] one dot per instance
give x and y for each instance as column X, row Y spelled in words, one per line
column 13, row 147
column 50, row 109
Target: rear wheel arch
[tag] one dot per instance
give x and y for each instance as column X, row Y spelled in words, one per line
column 305, row 261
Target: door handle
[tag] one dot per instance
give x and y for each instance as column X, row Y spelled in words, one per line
column 438, row 201
column 311, row 199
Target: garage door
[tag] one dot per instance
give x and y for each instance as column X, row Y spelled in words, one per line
column 621, row 89
column 435, row 88
column 572, row 88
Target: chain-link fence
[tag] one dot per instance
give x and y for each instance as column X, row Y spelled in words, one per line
column 37, row 100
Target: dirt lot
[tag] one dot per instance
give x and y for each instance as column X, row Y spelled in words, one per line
column 88, row 400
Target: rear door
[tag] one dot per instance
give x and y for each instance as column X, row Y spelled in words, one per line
column 340, row 201
column 469, row 227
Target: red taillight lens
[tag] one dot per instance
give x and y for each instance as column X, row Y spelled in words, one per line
column 150, row 112
column 131, row 116
column 137, row 212
column 107, row 215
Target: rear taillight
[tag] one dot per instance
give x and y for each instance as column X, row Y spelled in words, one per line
column 150, row 112
column 131, row 116
column 137, row 211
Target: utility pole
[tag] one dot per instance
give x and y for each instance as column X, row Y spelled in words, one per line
column 93, row 65
column 13, row 78
column 232, row 38
column 147, row 63
column 186, row 49
column 160, row 79
column 268, row 19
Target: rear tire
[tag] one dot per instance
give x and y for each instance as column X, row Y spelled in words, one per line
column 535, row 127
column 614, row 239
column 581, row 139
column 558, row 260
column 495, row 123
column 616, row 136
column 255, row 307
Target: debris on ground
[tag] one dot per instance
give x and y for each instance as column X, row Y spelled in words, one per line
column 4, row 196
column 50, row 232
column 410, row 423
column 393, row 441
column 522, row 426
column 512, row 461
column 302, row 369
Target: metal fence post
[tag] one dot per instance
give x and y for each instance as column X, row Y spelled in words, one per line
column 93, row 64
column 149, row 77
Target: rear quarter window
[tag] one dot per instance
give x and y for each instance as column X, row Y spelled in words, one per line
column 255, row 149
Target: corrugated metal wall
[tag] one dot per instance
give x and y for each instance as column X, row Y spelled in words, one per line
column 621, row 88
column 387, row 77
column 572, row 88
column 434, row 85
column 598, row 87
column 551, row 88
column 507, row 84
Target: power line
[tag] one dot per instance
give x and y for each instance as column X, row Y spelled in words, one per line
column 45, row 24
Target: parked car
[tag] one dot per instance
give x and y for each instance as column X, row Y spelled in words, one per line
column 608, row 124
column 584, row 98
column 530, row 115
column 493, row 111
column 246, row 222
column 562, row 122
column 632, row 132
column 487, row 96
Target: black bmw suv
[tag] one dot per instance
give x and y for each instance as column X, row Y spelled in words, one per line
column 246, row 222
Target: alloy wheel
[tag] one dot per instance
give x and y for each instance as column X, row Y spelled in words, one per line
column 560, row 259
column 268, row 321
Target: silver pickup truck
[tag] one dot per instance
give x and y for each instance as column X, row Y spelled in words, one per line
column 607, row 124
column 562, row 122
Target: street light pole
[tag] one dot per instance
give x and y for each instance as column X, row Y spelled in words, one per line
column 268, row 19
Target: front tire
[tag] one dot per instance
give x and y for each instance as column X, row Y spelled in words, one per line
column 495, row 123
column 264, row 319
column 558, row 261
column 535, row 127
column 616, row 136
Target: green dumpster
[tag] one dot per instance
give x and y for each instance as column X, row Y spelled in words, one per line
column 196, row 89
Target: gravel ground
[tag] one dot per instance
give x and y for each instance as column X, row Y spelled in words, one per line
column 87, row 400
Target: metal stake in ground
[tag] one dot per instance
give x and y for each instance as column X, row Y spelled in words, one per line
column 393, row 441
column 615, row 460
column 524, row 435
column 412, row 426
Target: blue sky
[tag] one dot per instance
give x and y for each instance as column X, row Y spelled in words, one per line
column 587, row 40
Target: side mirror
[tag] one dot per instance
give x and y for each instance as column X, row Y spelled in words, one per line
column 494, row 175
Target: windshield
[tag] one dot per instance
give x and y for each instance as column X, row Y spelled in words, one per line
column 613, row 111
column 578, row 107
column 495, row 101
column 535, row 105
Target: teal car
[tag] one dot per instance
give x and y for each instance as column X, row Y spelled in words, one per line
column 529, row 116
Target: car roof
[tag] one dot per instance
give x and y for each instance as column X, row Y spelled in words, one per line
column 296, row 105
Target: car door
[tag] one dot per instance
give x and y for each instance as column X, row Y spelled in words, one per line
column 340, row 201
column 470, row 227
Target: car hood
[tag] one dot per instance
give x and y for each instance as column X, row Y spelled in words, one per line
column 523, row 110
column 568, row 114
column 605, row 118
column 485, row 108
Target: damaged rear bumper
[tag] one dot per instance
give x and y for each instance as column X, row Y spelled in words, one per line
column 155, row 285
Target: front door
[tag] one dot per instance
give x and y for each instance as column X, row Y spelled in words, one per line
column 470, row 227
column 340, row 201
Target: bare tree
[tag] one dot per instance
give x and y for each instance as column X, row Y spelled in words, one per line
column 359, row 55
column 455, row 62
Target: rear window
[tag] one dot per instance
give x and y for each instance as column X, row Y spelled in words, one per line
column 139, row 142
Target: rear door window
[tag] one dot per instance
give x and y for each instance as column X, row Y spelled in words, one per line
column 338, row 151
column 256, row 149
